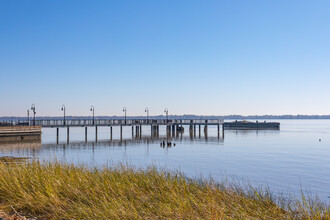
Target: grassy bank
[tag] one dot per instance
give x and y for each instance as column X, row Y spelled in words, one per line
column 60, row 191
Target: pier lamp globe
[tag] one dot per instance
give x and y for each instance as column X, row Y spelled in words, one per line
column 63, row 109
column 92, row 110
column 33, row 108
column 125, row 111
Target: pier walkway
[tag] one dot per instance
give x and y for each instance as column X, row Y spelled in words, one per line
column 173, row 126
column 123, row 122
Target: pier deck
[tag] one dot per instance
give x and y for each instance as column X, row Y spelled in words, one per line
column 172, row 125
column 122, row 122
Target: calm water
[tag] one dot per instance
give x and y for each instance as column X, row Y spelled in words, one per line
column 284, row 160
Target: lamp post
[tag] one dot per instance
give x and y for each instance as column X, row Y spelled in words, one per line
column 166, row 112
column 92, row 110
column 63, row 109
column 33, row 108
column 125, row 110
column 147, row 111
column 28, row 116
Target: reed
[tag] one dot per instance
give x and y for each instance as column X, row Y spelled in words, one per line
column 55, row 190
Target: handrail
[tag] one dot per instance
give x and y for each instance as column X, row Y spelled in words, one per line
column 112, row 122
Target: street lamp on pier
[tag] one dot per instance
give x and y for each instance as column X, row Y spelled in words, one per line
column 147, row 111
column 63, row 109
column 92, row 110
column 33, row 108
column 166, row 112
column 125, row 110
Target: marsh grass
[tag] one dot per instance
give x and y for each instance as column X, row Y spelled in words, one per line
column 54, row 190
column 7, row 159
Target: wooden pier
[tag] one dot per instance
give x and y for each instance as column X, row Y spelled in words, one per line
column 173, row 126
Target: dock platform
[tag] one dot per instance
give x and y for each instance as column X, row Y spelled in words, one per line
column 18, row 133
column 247, row 125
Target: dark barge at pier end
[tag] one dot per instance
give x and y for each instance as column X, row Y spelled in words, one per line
column 247, row 125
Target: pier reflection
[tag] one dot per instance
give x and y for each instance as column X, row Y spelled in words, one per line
column 135, row 141
column 251, row 132
column 64, row 149
column 21, row 147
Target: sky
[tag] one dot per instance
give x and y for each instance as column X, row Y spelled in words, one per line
column 248, row 57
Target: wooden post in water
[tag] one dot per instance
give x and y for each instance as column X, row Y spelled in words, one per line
column 110, row 132
column 121, row 132
column 132, row 131
column 140, row 131
column 95, row 133
column 199, row 130
column 168, row 130
column 205, row 128
column 157, row 130
column 57, row 134
column 136, row 131
column 194, row 130
column 85, row 134
column 205, row 131
column 68, row 134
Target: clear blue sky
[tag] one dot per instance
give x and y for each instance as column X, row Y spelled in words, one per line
column 193, row 57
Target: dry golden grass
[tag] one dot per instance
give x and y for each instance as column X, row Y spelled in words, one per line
column 54, row 190
column 13, row 159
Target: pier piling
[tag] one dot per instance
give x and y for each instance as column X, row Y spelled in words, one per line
column 68, row 134
column 205, row 130
column 194, row 130
column 140, row 133
column 136, row 131
column 96, row 133
column 157, row 130
column 85, row 134
column 57, row 134
column 110, row 132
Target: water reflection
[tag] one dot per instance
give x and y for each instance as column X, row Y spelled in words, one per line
column 168, row 140
column 21, row 147
column 35, row 148
column 250, row 132
column 131, row 142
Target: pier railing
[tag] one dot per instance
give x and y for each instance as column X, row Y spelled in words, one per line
column 122, row 122
column 115, row 122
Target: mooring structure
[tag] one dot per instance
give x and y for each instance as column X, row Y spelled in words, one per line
column 173, row 126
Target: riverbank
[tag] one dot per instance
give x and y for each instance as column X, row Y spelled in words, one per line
column 54, row 190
